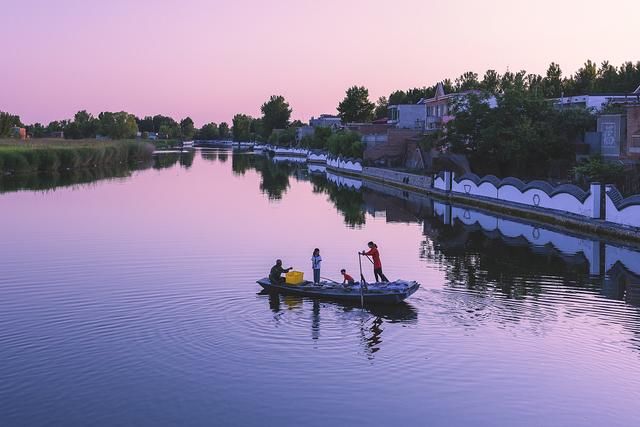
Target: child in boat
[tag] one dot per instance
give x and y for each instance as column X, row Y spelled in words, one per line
column 316, row 259
column 347, row 278
column 377, row 264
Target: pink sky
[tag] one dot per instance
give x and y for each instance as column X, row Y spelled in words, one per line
column 210, row 59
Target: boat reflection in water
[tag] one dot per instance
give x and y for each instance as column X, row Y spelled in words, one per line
column 371, row 319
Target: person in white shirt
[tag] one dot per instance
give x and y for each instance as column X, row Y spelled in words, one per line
column 316, row 259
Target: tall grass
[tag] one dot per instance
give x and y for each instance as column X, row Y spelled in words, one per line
column 19, row 158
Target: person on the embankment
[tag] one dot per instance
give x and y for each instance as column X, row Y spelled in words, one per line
column 377, row 264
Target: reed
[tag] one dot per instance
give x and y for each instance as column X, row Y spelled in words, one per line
column 17, row 157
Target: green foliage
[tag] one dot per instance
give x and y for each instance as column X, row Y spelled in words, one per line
column 120, row 125
column 84, row 125
column 223, row 128
column 7, row 122
column 345, row 144
column 283, row 137
column 523, row 136
column 275, row 114
column 381, row 107
column 187, row 128
column 595, row 169
column 209, row 132
column 317, row 141
column 356, row 107
column 241, row 127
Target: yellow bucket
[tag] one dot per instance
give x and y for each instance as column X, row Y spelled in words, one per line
column 294, row 277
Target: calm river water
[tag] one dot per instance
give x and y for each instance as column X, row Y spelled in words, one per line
column 132, row 301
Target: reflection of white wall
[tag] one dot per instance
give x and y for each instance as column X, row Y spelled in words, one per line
column 344, row 181
column 566, row 244
column 630, row 258
column 629, row 216
column 291, row 159
column 317, row 168
column 569, row 245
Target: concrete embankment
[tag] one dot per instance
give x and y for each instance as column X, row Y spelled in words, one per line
column 424, row 185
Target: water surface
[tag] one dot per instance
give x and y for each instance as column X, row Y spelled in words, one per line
column 133, row 301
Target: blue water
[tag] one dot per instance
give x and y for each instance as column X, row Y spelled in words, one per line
column 133, row 302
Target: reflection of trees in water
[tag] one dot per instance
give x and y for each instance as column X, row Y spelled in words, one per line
column 481, row 263
column 186, row 158
column 241, row 163
column 349, row 202
column 275, row 176
column 209, row 155
column 165, row 160
column 275, row 182
column 223, row 156
column 48, row 181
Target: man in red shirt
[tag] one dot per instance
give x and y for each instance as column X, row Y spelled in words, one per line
column 347, row 278
column 377, row 264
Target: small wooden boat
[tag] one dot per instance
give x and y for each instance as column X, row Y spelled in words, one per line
column 373, row 293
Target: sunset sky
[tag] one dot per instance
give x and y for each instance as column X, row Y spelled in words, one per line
column 210, row 59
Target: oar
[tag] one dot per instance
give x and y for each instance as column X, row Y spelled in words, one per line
column 331, row 280
column 362, row 281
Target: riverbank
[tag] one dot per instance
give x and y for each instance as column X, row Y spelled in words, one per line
column 426, row 185
column 55, row 155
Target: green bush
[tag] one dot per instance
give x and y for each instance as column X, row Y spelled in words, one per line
column 595, row 169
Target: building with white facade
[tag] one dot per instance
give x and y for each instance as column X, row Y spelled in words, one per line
column 325, row 120
column 407, row 116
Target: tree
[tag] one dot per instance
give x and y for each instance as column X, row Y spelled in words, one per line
column 241, row 129
column 356, row 107
column 118, row 125
column 209, row 132
column 275, row 114
column 37, row 130
column 467, row 81
column 398, row 97
column 7, row 122
column 584, row 80
column 552, row 82
column 84, row 125
column 381, row 107
column 187, row 128
column 490, row 82
column 171, row 127
column 146, row 124
column 346, row 144
column 223, row 129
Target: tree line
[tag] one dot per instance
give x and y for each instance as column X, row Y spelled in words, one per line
column 588, row 79
column 117, row 125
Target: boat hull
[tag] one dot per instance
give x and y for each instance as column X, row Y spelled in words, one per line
column 374, row 293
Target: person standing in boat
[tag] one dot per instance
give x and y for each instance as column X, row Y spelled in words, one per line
column 377, row 264
column 276, row 273
column 316, row 260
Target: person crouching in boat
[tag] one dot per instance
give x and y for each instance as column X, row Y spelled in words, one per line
column 377, row 264
column 348, row 280
column 276, row 273
column 316, row 260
